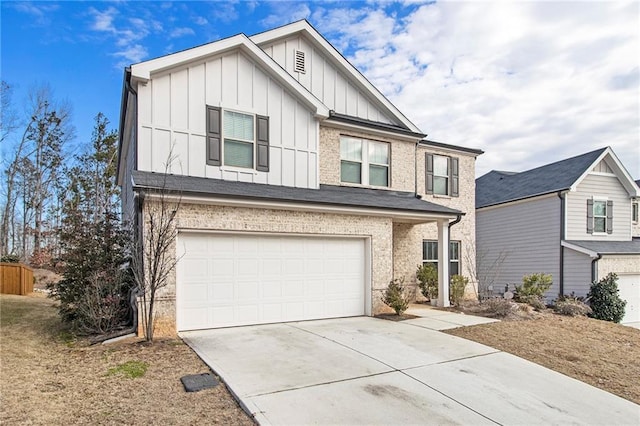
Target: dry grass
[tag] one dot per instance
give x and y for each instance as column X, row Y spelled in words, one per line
column 49, row 378
column 600, row 353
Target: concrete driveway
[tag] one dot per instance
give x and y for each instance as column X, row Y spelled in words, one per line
column 363, row 370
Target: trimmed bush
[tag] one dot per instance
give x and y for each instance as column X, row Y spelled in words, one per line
column 604, row 300
column 394, row 296
column 456, row 288
column 534, row 285
column 427, row 276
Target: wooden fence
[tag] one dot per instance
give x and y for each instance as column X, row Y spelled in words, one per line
column 16, row 278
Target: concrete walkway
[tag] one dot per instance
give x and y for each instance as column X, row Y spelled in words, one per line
column 367, row 371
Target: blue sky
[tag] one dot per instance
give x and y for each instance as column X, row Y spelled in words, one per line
column 527, row 82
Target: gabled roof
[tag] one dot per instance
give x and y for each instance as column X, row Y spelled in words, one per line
column 498, row 187
column 328, row 195
column 305, row 28
column 142, row 71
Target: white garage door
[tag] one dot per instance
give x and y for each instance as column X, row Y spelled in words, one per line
column 629, row 290
column 229, row 280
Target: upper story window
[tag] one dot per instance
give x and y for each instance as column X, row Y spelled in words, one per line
column 599, row 216
column 442, row 175
column 237, row 140
column 363, row 161
column 634, row 212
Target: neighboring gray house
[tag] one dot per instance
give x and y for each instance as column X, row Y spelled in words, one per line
column 576, row 219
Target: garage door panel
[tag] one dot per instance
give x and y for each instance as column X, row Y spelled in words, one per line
column 229, row 280
column 629, row 290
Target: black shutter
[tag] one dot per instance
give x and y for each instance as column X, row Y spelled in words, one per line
column 429, row 174
column 214, row 133
column 589, row 216
column 609, row 217
column 455, row 181
column 262, row 143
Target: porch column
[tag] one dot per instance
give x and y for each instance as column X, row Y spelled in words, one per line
column 443, row 262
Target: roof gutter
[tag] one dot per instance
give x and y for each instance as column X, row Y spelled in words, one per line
column 562, row 230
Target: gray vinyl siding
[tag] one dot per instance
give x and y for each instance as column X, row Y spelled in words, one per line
column 604, row 187
column 529, row 232
column 577, row 272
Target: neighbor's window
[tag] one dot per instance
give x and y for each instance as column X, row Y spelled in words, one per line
column 364, row 161
column 634, row 212
column 238, row 134
column 430, row 255
column 599, row 216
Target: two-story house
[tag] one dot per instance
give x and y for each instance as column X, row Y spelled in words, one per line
column 576, row 219
column 303, row 190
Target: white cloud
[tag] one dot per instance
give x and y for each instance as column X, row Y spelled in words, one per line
column 132, row 54
column 181, row 32
column 284, row 13
column 199, row 20
column 529, row 83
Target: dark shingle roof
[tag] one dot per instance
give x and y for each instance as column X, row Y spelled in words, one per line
column 610, row 247
column 498, row 187
column 327, row 194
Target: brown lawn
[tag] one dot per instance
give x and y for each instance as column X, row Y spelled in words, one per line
column 49, row 378
column 600, row 353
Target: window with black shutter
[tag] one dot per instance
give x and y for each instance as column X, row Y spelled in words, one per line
column 237, row 139
column 442, row 175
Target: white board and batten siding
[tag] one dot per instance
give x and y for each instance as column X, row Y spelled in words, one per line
column 323, row 79
column 226, row 280
column 171, row 112
column 528, row 232
column 605, row 187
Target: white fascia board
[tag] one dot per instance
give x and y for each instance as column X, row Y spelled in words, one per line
column 592, row 254
column 365, row 129
column 306, row 207
column 143, row 70
column 305, row 28
column 620, row 171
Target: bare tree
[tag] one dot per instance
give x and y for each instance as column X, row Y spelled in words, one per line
column 33, row 168
column 487, row 268
column 153, row 254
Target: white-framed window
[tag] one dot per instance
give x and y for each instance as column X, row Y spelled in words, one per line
column 430, row 255
column 599, row 216
column 364, row 161
column 442, row 175
column 634, row 212
column 237, row 139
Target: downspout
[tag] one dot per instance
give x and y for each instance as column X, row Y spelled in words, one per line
column 458, row 219
column 594, row 268
column 562, row 231
column 415, row 170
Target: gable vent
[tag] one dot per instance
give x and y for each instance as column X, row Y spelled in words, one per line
column 298, row 65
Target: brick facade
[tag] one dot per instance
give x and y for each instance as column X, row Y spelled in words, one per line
column 396, row 248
